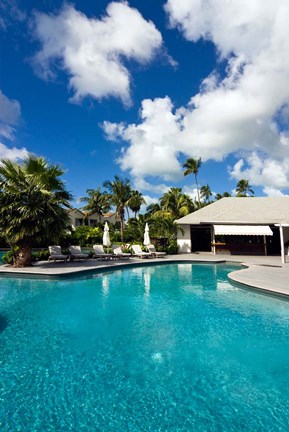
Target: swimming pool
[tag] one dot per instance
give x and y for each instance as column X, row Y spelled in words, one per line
column 155, row 348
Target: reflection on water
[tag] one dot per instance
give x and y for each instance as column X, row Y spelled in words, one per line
column 147, row 283
column 105, row 285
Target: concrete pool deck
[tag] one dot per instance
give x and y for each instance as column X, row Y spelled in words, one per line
column 263, row 273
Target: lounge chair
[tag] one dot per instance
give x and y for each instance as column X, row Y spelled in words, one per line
column 117, row 251
column 76, row 253
column 154, row 252
column 56, row 254
column 99, row 253
column 138, row 252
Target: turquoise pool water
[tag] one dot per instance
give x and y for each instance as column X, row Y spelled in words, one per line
column 160, row 348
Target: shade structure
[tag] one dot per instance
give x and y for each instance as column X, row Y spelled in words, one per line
column 106, row 239
column 243, row 230
column 147, row 239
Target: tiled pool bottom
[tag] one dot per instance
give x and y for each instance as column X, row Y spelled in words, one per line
column 161, row 348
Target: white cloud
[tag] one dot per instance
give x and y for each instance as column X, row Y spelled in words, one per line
column 10, row 117
column 141, row 184
column 13, row 153
column 238, row 112
column 191, row 191
column 10, row 111
column 91, row 51
column 272, row 174
column 153, row 150
column 149, row 200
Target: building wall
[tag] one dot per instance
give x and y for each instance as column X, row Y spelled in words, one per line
column 76, row 217
column 184, row 239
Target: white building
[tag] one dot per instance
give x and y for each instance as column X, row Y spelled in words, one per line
column 79, row 217
column 257, row 226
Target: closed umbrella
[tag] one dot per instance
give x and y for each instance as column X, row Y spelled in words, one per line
column 106, row 239
column 146, row 240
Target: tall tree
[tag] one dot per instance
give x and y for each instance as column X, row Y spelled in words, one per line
column 206, row 193
column 33, row 202
column 176, row 204
column 153, row 208
column 136, row 201
column 97, row 202
column 119, row 196
column 224, row 195
column 244, row 188
column 192, row 167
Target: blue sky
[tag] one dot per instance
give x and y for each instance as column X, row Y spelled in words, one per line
column 134, row 88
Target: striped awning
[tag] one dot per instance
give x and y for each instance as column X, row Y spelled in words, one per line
column 243, row 230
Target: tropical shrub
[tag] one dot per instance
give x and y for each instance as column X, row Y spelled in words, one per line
column 172, row 248
column 86, row 236
column 33, row 202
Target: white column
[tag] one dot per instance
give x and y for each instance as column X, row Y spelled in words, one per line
column 213, row 239
column 282, row 244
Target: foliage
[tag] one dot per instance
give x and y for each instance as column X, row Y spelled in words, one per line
column 3, row 242
column 244, row 188
column 163, row 228
column 41, row 255
column 32, row 205
column 172, row 248
column 224, row 195
column 192, row 167
column 135, row 229
column 119, row 196
column 175, row 204
column 206, row 193
column 86, row 236
column 97, row 202
column 8, row 257
column 136, row 201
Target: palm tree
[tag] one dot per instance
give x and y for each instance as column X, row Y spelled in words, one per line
column 119, row 196
column 175, row 204
column 192, row 167
column 32, row 205
column 97, row 202
column 206, row 193
column 219, row 196
column 136, row 201
column 153, row 208
column 244, row 188
column 135, row 228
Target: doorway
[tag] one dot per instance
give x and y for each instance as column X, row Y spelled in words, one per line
column 201, row 238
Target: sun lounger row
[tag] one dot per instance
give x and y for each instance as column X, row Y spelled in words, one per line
column 75, row 253
column 99, row 253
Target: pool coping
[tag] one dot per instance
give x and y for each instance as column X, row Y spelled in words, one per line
column 268, row 277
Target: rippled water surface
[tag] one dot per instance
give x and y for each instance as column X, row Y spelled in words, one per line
column 156, row 348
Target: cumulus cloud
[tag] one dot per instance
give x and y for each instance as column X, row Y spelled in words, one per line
column 152, row 149
column 13, row 153
column 245, row 110
column 10, row 111
column 141, row 184
column 272, row 174
column 10, row 116
column 92, row 51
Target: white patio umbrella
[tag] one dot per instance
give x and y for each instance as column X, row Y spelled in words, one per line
column 106, row 239
column 146, row 240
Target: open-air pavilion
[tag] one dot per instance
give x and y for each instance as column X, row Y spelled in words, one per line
column 238, row 226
